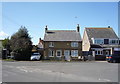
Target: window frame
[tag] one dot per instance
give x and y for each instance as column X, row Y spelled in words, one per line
column 51, row 44
column 98, row 52
column 114, row 41
column 49, row 53
column 73, row 52
column 74, row 44
column 60, row 53
column 98, row 41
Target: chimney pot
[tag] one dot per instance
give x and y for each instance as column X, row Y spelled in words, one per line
column 46, row 29
column 78, row 28
column 40, row 39
column 108, row 26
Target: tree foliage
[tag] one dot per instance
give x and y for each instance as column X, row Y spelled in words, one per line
column 21, row 44
column 6, row 43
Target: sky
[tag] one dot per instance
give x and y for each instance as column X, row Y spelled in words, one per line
column 57, row 15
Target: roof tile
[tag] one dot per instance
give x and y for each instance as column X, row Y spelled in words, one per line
column 62, row 35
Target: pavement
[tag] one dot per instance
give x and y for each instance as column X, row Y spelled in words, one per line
column 0, row 71
column 37, row 71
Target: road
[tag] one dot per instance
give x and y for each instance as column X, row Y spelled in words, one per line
column 36, row 71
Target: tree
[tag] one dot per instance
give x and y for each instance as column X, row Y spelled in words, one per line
column 21, row 44
column 6, row 43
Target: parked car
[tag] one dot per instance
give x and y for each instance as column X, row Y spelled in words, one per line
column 35, row 56
column 113, row 58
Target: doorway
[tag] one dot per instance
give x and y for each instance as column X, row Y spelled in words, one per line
column 67, row 55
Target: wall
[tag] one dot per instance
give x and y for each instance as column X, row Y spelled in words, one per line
column 86, row 43
column 62, row 46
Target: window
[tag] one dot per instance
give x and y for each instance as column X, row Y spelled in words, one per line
column 74, row 44
column 74, row 53
column 99, row 41
column 95, row 52
column 107, row 52
column 106, row 41
column 51, row 44
column 58, row 53
column 51, row 53
column 66, row 52
column 114, row 41
column 99, row 52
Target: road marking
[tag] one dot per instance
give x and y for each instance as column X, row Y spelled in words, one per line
column 106, row 80
column 59, row 73
column 22, row 69
column 100, row 61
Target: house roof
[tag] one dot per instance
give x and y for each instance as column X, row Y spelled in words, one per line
column 62, row 35
column 100, row 33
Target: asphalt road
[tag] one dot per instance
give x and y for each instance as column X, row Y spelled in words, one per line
column 36, row 71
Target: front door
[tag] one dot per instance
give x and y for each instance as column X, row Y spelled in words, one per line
column 67, row 55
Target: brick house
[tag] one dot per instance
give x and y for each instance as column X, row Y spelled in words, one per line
column 100, row 42
column 62, row 44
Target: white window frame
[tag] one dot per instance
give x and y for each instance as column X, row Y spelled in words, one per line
column 102, row 39
column 60, row 53
column 50, row 53
column 93, row 40
column 96, row 41
column 116, row 41
column 51, row 44
column 67, row 53
column 74, row 44
column 101, row 52
column 74, row 51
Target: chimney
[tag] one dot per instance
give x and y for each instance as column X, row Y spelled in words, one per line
column 40, row 44
column 78, row 28
column 40, row 40
column 46, row 29
column 108, row 26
